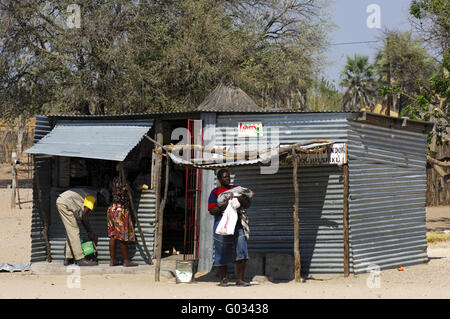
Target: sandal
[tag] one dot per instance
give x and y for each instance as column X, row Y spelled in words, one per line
column 132, row 264
column 85, row 262
column 242, row 283
column 69, row 261
column 223, row 283
column 112, row 264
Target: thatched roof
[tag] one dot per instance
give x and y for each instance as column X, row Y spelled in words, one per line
column 228, row 98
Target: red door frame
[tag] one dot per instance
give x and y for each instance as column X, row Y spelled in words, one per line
column 193, row 194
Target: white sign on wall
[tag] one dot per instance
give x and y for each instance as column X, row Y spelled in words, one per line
column 336, row 154
column 250, row 129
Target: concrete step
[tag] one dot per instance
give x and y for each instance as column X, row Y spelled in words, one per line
column 58, row 268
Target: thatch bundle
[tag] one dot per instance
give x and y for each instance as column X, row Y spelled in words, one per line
column 228, row 98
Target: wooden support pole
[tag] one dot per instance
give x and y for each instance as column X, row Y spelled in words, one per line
column 14, row 179
column 157, row 183
column 436, row 162
column 16, row 176
column 442, row 173
column 20, row 135
column 223, row 155
column 130, row 198
column 162, row 205
column 345, row 222
column 297, row 268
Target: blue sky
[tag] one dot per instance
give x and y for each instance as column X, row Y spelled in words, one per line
column 350, row 18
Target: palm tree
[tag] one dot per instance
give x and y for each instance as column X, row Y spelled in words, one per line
column 359, row 79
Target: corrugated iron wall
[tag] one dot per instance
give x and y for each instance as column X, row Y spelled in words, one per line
column 145, row 206
column 320, row 215
column 208, row 183
column 321, row 191
column 292, row 127
column 387, row 197
column 42, row 173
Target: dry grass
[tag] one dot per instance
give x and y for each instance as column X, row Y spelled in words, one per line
column 437, row 237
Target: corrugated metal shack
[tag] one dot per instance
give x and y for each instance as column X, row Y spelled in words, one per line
column 385, row 199
column 65, row 145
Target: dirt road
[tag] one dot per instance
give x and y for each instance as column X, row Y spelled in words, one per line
column 430, row 280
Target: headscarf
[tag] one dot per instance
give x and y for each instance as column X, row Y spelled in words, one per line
column 119, row 191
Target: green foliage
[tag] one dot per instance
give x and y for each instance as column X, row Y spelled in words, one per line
column 410, row 65
column 409, row 61
column 359, row 79
column 421, row 9
column 62, row 69
column 439, row 85
column 429, row 104
column 446, row 61
column 432, row 20
column 323, row 95
column 140, row 56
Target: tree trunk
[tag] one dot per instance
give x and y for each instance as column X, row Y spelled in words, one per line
column 14, row 182
column 438, row 188
column 20, row 135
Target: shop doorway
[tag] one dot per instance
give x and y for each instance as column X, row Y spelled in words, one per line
column 181, row 225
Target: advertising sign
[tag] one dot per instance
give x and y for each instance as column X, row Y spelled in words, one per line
column 250, row 129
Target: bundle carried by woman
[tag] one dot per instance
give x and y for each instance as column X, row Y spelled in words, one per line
column 230, row 215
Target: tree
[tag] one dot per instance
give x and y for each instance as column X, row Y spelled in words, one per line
column 358, row 78
column 407, row 62
column 179, row 52
column 140, row 56
column 265, row 47
column 50, row 67
column 431, row 18
column 289, row 37
column 323, row 95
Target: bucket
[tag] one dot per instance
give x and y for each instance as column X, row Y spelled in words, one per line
column 185, row 270
column 88, row 248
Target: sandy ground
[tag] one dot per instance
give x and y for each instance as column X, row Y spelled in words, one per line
column 431, row 280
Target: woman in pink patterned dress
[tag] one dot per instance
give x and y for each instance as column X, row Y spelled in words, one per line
column 120, row 226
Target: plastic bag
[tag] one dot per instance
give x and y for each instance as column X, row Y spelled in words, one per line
column 229, row 218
